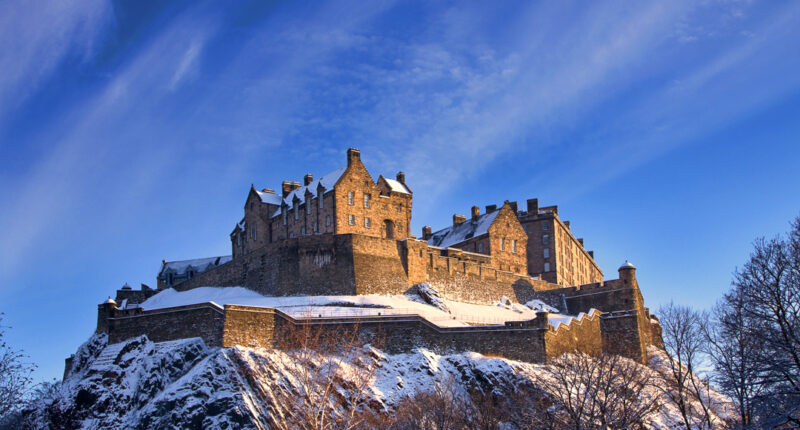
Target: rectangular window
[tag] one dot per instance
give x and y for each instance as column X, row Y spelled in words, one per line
column 399, row 207
column 545, row 239
column 316, row 227
column 514, row 246
column 546, row 267
column 545, row 227
column 296, row 211
column 303, row 230
column 366, row 200
column 502, row 243
column 285, row 218
column 328, row 221
column 366, row 222
column 480, row 247
column 308, row 206
column 351, row 219
column 321, row 200
column 547, row 253
column 350, row 197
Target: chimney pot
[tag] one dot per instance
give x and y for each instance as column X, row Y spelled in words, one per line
column 426, row 232
column 491, row 208
column 533, row 206
column 476, row 212
column 353, row 155
column 286, row 188
column 566, row 223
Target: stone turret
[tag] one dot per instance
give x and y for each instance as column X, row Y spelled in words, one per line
column 105, row 311
column 627, row 273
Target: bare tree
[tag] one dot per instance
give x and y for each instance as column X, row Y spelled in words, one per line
column 608, row 391
column 684, row 341
column 327, row 375
column 442, row 407
column 15, row 376
column 733, row 345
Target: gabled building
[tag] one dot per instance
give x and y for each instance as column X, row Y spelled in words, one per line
column 346, row 200
column 175, row 272
column 496, row 233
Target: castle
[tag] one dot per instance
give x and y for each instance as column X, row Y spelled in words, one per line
column 346, row 234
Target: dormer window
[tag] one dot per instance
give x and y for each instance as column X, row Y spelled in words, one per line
column 351, row 198
column 366, row 200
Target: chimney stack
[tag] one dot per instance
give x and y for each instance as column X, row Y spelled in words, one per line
column 401, row 177
column 426, row 232
column 307, row 179
column 491, row 208
column 591, row 254
column 286, row 188
column 566, row 223
column 580, row 240
column 353, row 155
column 458, row 219
column 476, row 212
column 514, row 207
column 533, row 206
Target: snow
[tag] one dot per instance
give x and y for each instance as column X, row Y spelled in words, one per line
column 198, row 264
column 454, row 235
column 540, row 306
column 397, row 186
column 453, row 314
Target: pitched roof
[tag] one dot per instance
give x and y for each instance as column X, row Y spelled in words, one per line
column 269, row 198
column 468, row 229
column 199, row 265
column 327, row 181
column 397, row 186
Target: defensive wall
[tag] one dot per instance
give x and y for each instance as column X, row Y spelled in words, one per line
column 354, row 264
column 223, row 326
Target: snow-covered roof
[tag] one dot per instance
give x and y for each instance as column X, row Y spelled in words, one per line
column 269, row 198
column 468, row 229
column 626, row 265
column 327, row 181
column 199, row 265
column 397, row 186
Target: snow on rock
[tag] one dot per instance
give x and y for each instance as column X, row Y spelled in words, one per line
column 185, row 384
column 540, row 306
column 431, row 296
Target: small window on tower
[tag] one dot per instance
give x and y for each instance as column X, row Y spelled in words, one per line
column 351, row 219
column 366, row 200
column 502, row 243
column 284, row 217
column 367, row 222
column 545, row 227
column 546, row 267
column 351, row 197
column 547, row 253
column 545, row 239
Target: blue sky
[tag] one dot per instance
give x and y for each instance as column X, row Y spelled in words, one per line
column 130, row 132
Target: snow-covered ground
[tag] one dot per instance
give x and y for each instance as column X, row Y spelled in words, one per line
column 457, row 314
column 185, row 384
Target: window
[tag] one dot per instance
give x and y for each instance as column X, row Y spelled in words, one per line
column 399, row 207
column 303, row 230
column 316, row 227
column 502, row 243
column 239, row 239
column 546, row 267
column 284, row 216
column 308, row 206
column 351, row 219
column 350, row 197
column 328, row 221
column 547, row 253
column 480, row 247
column 367, row 222
column 321, row 199
column 514, row 246
column 296, row 211
column 545, row 239
column 255, row 233
column 545, row 227
column 366, row 200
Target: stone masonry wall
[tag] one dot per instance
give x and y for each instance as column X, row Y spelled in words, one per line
column 203, row 320
column 582, row 335
column 248, row 326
